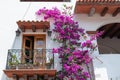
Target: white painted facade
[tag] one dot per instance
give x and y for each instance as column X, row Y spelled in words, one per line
column 14, row 10
column 110, row 68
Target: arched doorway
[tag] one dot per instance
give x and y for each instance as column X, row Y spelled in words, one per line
column 109, row 42
column 109, row 53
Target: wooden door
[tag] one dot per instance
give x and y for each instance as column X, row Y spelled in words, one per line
column 27, row 50
column 40, row 47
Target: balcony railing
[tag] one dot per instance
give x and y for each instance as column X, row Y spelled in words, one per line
column 30, row 59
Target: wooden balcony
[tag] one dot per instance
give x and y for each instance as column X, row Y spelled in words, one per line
column 101, row 7
column 36, row 65
column 30, row 73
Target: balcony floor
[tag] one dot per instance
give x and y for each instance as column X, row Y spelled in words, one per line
column 29, row 72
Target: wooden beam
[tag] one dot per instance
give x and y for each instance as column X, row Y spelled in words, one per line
column 44, row 29
column 101, row 28
column 15, row 77
column 115, row 31
column 118, row 33
column 22, row 28
column 104, row 11
column 91, row 32
column 107, row 30
column 26, row 77
column 46, row 76
column 33, row 28
column 116, row 12
column 35, row 77
column 91, row 12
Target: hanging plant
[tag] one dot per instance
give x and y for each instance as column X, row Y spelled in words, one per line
column 75, row 49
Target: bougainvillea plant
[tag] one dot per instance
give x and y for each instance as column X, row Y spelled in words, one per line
column 76, row 47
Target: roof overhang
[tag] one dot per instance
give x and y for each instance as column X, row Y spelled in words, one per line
column 23, row 25
column 102, row 7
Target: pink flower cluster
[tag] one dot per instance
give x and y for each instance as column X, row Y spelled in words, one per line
column 69, row 34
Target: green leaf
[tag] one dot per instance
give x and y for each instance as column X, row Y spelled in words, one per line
column 64, row 5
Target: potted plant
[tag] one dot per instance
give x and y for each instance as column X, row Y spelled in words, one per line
column 13, row 62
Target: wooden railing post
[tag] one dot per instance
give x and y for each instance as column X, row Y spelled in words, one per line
column 35, row 77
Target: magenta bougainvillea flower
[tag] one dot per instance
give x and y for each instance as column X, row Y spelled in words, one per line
column 54, row 50
column 72, row 55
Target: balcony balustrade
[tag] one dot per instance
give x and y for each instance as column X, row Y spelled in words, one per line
column 37, row 64
column 30, row 59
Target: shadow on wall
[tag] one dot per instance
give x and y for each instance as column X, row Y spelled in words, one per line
column 109, row 46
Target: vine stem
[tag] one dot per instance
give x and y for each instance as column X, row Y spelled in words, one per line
column 89, row 71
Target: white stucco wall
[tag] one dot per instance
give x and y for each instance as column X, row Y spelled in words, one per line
column 96, row 21
column 109, row 69
column 107, row 66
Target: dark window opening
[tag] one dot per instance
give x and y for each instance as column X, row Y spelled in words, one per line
column 108, row 46
column 29, row 49
column 109, row 43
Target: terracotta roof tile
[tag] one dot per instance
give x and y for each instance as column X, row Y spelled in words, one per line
column 33, row 24
column 99, row 1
